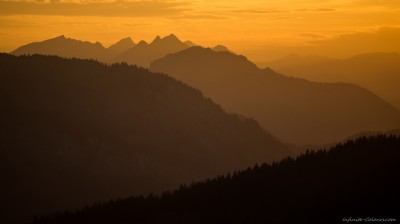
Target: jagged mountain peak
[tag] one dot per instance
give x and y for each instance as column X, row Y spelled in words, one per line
column 171, row 37
column 122, row 45
column 125, row 40
column 156, row 40
column 60, row 37
column 142, row 43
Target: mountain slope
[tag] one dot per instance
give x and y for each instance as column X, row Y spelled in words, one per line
column 357, row 179
column 143, row 53
column 65, row 47
column 378, row 72
column 77, row 131
column 295, row 110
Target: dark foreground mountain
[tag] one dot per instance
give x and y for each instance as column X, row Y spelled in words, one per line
column 295, row 110
column 355, row 180
column 378, row 72
column 77, row 131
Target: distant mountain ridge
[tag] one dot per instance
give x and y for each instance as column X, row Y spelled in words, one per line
column 65, row 47
column 125, row 50
column 378, row 72
column 295, row 110
column 143, row 53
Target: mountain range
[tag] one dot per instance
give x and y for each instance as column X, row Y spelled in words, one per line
column 378, row 72
column 143, row 53
column 90, row 123
column 78, row 131
column 295, row 110
column 125, row 50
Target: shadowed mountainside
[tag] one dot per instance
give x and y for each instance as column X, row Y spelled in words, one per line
column 295, row 110
column 378, row 72
column 355, row 179
column 77, row 131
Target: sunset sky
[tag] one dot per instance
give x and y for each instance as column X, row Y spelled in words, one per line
column 256, row 28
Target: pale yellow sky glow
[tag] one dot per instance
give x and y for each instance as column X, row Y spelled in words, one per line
column 251, row 27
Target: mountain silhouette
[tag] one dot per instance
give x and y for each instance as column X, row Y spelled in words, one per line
column 78, row 131
column 143, row 53
column 295, row 110
column 378, row 72
column 65, row 47
column 121, row 46
column 220, row 48
column 355, row 180
column 125, row 50
column 189, row 43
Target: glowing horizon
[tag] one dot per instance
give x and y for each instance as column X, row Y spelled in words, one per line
column 253, row 28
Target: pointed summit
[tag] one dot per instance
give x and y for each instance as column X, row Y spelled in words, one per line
column 156, row 40
column 60, row 37
column 172, row 38
column 142, row 43
column 126, row 40
column 122, row 45
column 143, row 53
column 98, row 44
column 170, row 41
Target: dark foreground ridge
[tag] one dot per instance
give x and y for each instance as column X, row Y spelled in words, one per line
column 74, row 132
column 357, row 179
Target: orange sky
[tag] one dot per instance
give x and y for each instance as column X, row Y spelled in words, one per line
column 260, row 29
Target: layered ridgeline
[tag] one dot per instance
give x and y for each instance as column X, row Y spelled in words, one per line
column 77, row 131
column 143, row 53
column 295, row 110
column 378, row 72
column 125, row 50
column 355, row 180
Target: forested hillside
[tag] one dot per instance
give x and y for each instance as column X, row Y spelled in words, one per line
column 77, row 131
column 358, row 179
